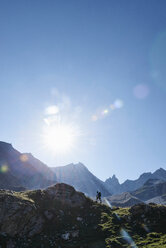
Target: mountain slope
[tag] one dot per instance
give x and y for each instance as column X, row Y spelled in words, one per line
column 40, row 166
column 19, row 171
column 152, row 188
column 8, row 181
column 123, row 200
column 81, row 178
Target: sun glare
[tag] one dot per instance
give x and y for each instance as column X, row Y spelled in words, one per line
column 59, row 138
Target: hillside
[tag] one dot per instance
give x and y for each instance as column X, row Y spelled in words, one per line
column 21, row 170
column 81, row 178
column 125, row 199
column 60, row 217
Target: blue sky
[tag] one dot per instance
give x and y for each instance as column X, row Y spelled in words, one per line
column 85, row 56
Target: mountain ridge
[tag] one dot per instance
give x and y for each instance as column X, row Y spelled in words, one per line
column 131, row 185
column 19, row 171
column 81, row 178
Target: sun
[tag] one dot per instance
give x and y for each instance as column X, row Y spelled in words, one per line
column 59, row 138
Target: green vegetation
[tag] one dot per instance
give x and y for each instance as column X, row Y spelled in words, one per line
column 125, row 229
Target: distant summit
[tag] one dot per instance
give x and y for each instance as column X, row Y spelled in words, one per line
column 81, row 178
column 112, row 184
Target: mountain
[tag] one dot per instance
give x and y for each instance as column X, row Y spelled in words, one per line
column 152, row 188
column 81, row 178
column 61, row 217
column 8, row 181
column 22, row 170
column 153, row 191
column 40, row 166
column 123, row 200
column 112, row 184
column 158, row 200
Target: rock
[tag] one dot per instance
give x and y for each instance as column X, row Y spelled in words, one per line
column 79, row 219
column 48, row 215
column 66, row 193
column 65, row 236
column 15, row 213
column 10, row 244
column 37, row 227
column 75, row 234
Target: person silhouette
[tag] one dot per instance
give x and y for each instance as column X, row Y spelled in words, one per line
column 98, row 197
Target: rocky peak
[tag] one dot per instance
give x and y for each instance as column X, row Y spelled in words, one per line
column 112, row 184
column 65, row 193
column 145, row 175
column 160, row 174
column 113, row 179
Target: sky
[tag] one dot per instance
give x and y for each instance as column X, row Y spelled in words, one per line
column 98, row 67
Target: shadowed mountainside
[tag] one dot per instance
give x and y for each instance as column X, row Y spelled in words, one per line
column 19, row 170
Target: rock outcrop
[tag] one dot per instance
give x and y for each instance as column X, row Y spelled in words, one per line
column 58, row 216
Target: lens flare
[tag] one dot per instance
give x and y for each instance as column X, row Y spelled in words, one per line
column 107, row 202
column 105, row 112
column 24, row 158
column 4, row 169
column 128, row 238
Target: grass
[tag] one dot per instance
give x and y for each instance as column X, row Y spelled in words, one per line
column 123, row 232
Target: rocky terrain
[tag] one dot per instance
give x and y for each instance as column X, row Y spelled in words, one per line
column 60, row 217
column 55, row 217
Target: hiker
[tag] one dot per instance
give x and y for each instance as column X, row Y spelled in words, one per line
column 98, row 196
